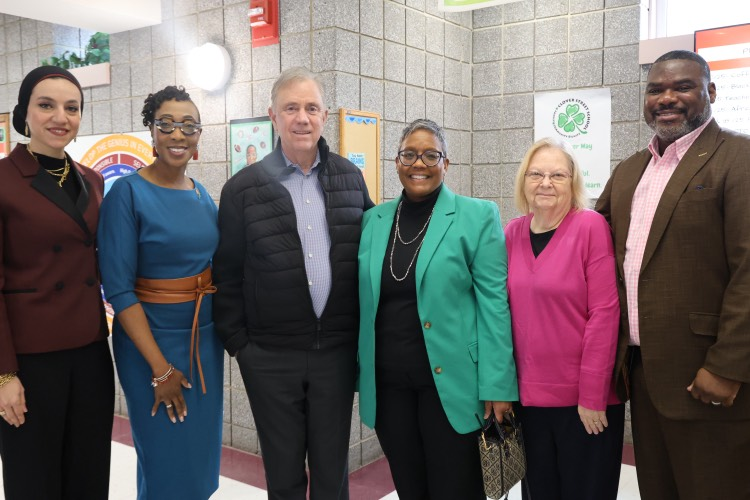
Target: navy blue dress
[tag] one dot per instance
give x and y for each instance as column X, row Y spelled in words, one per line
column 148, row 231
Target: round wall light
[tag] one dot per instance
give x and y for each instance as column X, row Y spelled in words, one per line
column 209, row 66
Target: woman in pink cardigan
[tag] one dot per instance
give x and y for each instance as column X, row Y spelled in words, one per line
column 565, row 316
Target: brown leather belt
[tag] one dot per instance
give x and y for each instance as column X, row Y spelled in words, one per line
column 176, row 291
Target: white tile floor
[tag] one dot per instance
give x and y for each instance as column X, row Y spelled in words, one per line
column 123, row 487
column 122, row 483
column 628, row 487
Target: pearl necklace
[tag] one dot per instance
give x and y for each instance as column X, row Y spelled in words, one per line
column 61, row 173
column 397, row 235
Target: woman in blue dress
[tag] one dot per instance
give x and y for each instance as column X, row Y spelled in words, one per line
column 157, row 234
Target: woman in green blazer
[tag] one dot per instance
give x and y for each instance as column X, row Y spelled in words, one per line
column 435, row 348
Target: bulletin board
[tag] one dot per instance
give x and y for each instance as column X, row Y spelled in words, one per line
column 4, row 135
column 360, row 144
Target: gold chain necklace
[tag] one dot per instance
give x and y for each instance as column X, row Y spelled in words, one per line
column 397, row 235
column 61, row 173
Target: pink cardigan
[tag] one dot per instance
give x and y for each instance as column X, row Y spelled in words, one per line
column 564, row 312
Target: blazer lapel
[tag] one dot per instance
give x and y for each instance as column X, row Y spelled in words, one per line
column 381, row 229
column 695, row 158
column 442, row 218
column 48, row 187
column 83, row 197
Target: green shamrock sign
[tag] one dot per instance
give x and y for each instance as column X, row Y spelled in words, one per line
column 571, row 119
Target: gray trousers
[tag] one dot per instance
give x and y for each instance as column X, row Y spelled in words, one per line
column 302, row 406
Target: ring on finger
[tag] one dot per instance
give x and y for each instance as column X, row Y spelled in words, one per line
column 716, row 403
column 169, row 405
column 2, row 413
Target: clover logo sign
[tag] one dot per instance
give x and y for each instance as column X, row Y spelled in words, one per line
column 571, row 118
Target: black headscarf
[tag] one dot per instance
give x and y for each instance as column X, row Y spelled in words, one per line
column 29, row 82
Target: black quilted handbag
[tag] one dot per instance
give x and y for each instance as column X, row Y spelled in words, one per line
column 502, row 455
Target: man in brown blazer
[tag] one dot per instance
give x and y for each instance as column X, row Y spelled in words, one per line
column 680, row 215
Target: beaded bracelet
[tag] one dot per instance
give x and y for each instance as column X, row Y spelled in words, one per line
column 160, row 380
column 6, row 378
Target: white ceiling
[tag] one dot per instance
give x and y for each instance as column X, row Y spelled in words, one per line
column 107, row 16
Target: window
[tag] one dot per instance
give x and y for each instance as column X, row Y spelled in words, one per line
column 663, row 18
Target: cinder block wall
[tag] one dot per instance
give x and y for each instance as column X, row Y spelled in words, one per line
column 474, row 73
column 549, row 45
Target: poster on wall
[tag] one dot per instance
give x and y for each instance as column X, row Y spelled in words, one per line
column 4, row 135
column 727, row 51
column 583, row 119
column 462, row 5
column 250, row 140
column 113, row 155
column 360, row 144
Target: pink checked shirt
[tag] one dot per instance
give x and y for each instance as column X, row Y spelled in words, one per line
column 645, row 200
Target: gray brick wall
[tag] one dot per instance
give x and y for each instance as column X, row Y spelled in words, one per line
column 473, row 73
column 547, row 45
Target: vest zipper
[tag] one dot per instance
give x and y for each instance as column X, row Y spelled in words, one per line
column 317, row 334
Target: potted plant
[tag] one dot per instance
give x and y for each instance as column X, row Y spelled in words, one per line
column 92, row 68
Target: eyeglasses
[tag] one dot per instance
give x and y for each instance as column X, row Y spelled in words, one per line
column 429, row 158
column 187, row 128
column 556, row 177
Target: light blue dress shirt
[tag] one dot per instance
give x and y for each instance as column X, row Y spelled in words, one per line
column 312, row 226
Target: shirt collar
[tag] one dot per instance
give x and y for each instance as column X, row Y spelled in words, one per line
column 682, row 144
column 291, row 164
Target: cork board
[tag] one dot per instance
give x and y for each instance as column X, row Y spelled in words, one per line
column 360, row 144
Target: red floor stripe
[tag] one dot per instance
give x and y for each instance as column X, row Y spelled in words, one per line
column 371, row 482
column 628, row 458
column 242, row 466
column 121, row 431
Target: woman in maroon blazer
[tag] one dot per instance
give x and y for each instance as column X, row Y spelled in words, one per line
column 56, row 376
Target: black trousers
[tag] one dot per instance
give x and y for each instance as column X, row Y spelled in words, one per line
column 63, row 449
column 429, row 460
column 302, row 406
column 563, row 462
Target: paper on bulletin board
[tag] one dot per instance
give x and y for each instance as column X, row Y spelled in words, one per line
column 583, row 118
column 727, row 51
column 358, row 159
column 360, row 144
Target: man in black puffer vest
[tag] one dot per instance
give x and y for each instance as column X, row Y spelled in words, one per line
column 287, row 301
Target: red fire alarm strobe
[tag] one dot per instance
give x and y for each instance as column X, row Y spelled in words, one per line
column 264, row 22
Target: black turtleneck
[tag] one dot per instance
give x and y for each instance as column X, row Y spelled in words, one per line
column 70, row 185
column 399, row 342
column 539, row 240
